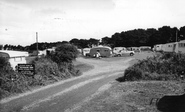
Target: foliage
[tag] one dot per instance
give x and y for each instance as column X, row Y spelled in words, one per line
column 64, row 53
column 11, row 81
column 83, row 43
column 1, row 47
column 47, row 72
column 167, row 66
column 3, row 62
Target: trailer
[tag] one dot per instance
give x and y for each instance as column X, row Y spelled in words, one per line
column 180, row 47
column 177, row 47
column 14, row 57
column 103, row 50
column 158, row 47
column 86, row 51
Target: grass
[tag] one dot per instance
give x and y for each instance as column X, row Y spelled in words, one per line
column 131, row 96
column 83, row 67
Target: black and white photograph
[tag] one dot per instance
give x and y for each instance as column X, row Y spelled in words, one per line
column 92, row 55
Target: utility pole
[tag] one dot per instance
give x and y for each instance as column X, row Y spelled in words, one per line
column 176, row 35
column 37, row 43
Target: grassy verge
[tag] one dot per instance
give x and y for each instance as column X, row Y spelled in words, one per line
column 131, row 96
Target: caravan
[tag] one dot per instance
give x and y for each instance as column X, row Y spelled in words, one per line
column 178, row 47
column 169, row 47
column 86, row 51
column 158, row 47
column 14, row 57
column 103, row 50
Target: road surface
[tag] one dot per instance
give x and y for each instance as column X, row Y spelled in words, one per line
column 65, row 95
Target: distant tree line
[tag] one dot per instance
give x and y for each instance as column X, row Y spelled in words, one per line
column 136, row 37
column 142, row 37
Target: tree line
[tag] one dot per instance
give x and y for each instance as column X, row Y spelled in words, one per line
column 131, row 38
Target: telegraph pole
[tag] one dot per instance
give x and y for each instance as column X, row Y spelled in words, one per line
column 176, row 36
column 37, row 43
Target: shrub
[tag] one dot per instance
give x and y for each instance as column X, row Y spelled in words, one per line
column 3, row 62
column 11, row 82
column 64, row 53
column 133, row 73
column 46, row 71
column 166, row 66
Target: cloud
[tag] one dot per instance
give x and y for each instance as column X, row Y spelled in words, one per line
column 48, row 12
column 66, row 4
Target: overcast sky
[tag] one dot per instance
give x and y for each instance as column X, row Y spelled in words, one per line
column 62, row 20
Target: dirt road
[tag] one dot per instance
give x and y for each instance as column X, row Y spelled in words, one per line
column 64, row 95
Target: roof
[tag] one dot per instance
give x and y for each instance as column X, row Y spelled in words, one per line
column 86, row 48
column 182, row 41
column 14, row 53
column 102, row 47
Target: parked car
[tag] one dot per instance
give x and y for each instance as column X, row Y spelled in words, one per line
column 125, row 52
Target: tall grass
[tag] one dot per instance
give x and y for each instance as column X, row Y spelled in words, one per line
column 164, row 66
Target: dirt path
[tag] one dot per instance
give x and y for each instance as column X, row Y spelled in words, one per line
column 64, row 95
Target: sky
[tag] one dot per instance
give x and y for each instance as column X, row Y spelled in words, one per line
column 63, row 20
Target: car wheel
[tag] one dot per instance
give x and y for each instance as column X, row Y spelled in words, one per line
column 119, row 55
column 131, row 54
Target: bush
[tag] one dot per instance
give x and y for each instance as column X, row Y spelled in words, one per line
column 133, row 73
column 166, row 66
column 11, row 81
column 64, row 53
column 47, row 71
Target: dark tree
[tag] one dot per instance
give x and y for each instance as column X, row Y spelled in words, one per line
column 106, row 41
column 181, row 33
column 1, row 47
column 92, row 42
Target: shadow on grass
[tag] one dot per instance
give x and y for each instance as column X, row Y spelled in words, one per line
column 121, row 79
